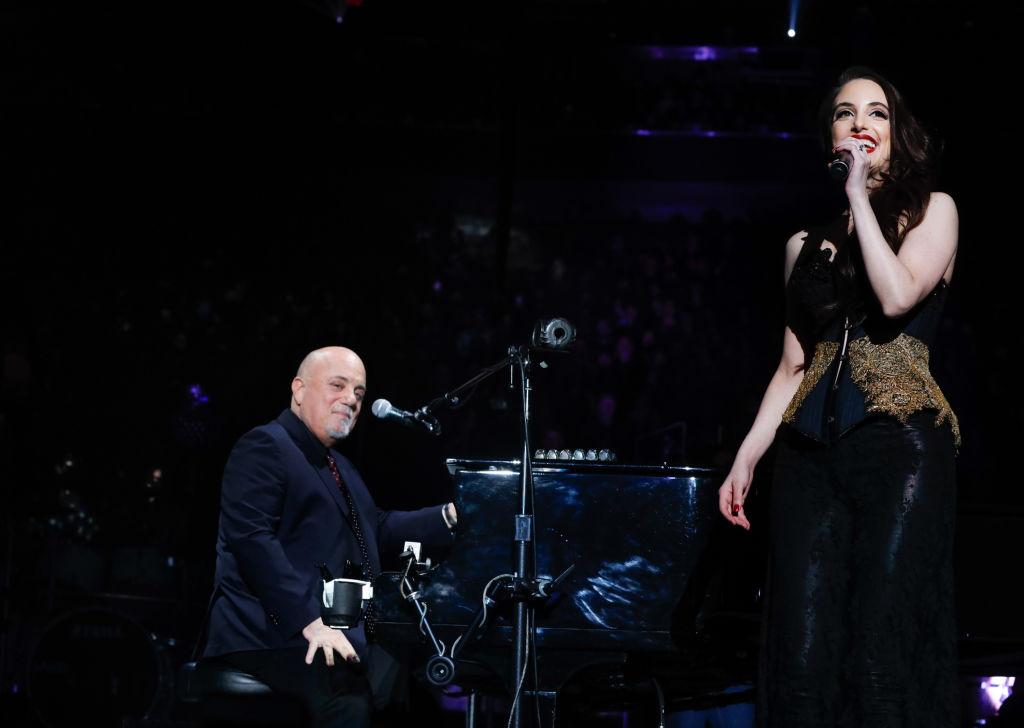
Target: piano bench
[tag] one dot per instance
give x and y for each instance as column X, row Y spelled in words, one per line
column 214, row 693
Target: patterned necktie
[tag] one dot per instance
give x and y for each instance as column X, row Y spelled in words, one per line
column 370, row 616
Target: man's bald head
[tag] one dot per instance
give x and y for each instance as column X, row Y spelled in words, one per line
column 327, row 392
column 327, row 355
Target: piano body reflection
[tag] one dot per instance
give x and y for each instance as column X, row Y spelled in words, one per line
column 632, row 609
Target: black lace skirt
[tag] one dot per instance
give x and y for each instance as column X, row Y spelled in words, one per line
column 859, row 627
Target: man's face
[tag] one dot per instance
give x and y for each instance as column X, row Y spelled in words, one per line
column 327, row 393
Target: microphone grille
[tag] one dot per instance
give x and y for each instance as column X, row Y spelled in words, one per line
column 380, row 408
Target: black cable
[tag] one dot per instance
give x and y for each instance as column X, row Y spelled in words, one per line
column 519, row 689
column 536, row 680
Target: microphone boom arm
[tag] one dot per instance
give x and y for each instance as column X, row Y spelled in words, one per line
column 454, row 397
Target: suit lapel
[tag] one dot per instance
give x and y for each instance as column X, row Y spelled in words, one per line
column 331, row 484
column 315, row 454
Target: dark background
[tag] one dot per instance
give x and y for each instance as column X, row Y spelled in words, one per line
column 199, row 195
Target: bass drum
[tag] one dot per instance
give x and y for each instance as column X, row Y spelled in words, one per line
column 97, row 667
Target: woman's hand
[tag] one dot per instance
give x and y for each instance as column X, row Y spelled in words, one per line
column 733, row 494
column 857, row 180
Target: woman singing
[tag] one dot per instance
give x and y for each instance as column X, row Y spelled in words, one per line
column 859, row 626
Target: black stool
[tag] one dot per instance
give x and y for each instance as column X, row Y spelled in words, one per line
column 216, row 694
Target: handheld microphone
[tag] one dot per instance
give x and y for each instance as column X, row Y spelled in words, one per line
column 384, row 410
column 840, row 165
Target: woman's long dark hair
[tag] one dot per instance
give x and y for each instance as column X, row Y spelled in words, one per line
column 901, row 200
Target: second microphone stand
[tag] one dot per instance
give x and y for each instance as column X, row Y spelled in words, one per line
column 525, row 589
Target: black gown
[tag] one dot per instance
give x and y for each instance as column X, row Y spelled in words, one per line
column 859, row 627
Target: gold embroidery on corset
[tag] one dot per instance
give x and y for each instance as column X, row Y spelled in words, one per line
column 824, row 353
column 895, row 379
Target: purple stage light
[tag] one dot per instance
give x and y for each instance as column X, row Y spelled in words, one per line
column 699, row 53
column 697, row 131
column 705, row 53
column 195, row 393
column 453, row 704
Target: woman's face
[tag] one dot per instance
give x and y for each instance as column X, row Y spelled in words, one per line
column 860, row 111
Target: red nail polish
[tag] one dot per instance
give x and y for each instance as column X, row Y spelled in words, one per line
column 735, row 508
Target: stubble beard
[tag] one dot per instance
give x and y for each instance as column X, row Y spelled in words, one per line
column 343, row 430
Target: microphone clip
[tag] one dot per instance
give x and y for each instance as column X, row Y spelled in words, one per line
column 423, row 416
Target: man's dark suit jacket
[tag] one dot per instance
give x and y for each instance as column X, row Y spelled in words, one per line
column 282, row 515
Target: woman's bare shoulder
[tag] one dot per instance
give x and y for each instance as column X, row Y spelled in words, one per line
column 793, row 247
column 796, row 240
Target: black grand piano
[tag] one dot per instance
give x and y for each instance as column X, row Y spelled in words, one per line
column 637, row 613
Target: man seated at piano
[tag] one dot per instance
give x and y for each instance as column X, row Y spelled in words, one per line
column 292, row 510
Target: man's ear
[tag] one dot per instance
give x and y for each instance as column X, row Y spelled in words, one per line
column 297, row 390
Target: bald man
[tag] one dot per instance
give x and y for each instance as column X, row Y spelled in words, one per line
column 284, row 512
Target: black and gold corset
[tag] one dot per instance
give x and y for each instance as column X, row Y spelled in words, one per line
column 862, row 363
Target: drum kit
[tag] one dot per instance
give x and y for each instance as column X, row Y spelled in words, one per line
column 101, row 665
column 79, row 639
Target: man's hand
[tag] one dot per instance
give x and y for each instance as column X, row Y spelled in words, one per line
column 320, row 635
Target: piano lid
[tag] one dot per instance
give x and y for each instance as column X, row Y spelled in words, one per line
column 582, row 466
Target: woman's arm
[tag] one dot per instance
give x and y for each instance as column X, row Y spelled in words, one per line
column 781, row 388
column 902, row 281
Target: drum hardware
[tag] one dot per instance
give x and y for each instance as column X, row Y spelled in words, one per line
column 102, row 665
